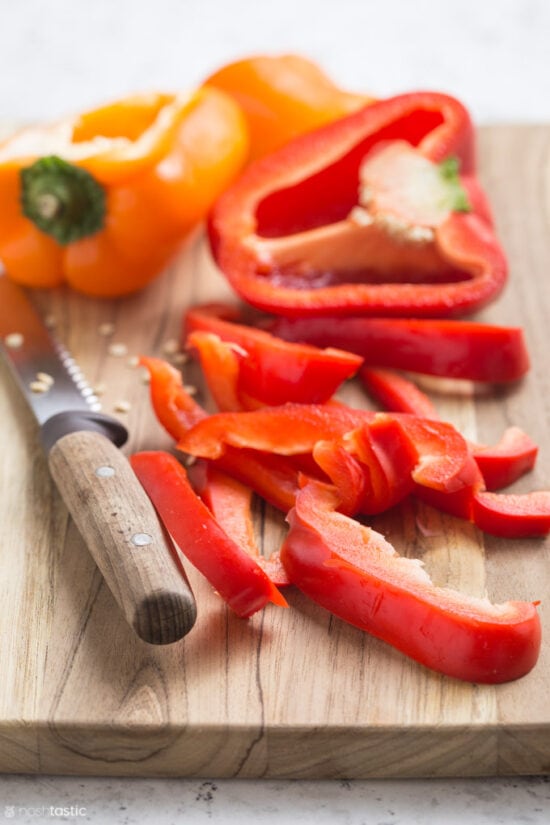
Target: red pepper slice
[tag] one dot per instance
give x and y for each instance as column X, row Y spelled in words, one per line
column 443, row 457
column 451, row 349
column 505, row 462
column 458, row 502
column 325, row 226
column 352, row 571
column 175, row 409
column 443, row 453
column 267, row 449
column 396, row 393
column 350, row 477
column 271, row 476
column 372, row 467
column 512, row 515
column 263, row 369
column 220, row 364
column 288, row 430
column 238, row 579
column 500, row 464
column 230, row 502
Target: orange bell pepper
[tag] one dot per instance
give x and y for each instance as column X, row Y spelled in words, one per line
column 282, row 97
column 104, row 199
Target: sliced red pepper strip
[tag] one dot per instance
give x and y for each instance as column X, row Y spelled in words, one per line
column 238, row 579
column 220, row 366
column 446, row 474
column 392, row 458
column 502, row 464
column 271, row 476
column 443, row 457
column 350, row 477
column 352, row 571
column 175, row 409
column 290, row 429
column 459, row 501
column 396, row 393
column 377, row 471
column 307, row 231
column 268, row 370
column 230, row 502
column 451, row 349
column 512, row 515
column 507, row 515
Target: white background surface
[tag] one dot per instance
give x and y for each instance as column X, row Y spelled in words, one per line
column 58, row 56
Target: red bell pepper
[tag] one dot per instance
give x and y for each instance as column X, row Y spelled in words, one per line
column 352, row 571
column 500, row 464
column 271, row 476
column 254, row 368
column 287, row 430
column 442, row 454
column 499, row 514
column 505, row 462
column 175, row 409
column 230, row 502
column 512, row 515
column 459, row 501
column 452, row 349
column 396, row 393
column 371, row 467
column 234, row 574
column 269, row 448
column 375, row 214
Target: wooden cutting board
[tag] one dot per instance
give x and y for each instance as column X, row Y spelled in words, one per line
column 290, row 693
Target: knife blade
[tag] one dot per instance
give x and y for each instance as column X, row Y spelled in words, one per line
column 104, row 497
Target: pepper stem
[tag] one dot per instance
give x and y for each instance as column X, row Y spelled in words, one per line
column 48, row 205
column 62, row 200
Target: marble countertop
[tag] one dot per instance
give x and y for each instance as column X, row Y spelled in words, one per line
column 58, row 55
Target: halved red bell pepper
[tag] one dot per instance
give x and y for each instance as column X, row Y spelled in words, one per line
column 452, row 349
column 234, row 574
column 352, row 571
column 376, row 214
column 260, row 369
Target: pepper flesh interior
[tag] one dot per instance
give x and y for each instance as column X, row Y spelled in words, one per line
column 132, row 132
column 383, row 228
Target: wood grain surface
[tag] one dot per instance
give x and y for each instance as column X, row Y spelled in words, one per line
column 289, row 693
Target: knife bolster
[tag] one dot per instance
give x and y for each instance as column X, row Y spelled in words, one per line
column 81, row 420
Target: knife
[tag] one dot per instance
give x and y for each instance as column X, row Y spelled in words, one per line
column 110, row 508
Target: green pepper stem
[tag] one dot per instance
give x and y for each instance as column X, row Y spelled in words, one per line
column 62, row 200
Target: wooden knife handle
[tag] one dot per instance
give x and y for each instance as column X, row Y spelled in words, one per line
column 125, row 537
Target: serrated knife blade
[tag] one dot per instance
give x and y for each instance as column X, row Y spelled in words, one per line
column 110, row 508
column 31, row 351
